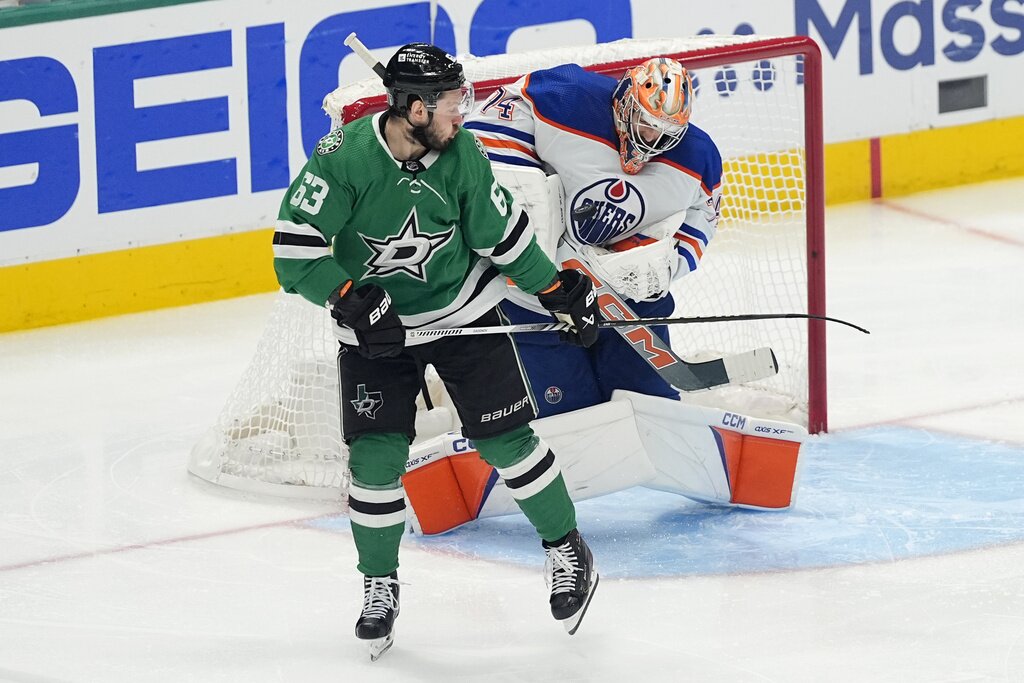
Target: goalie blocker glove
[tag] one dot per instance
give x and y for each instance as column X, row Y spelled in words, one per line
column 572, row 299
column 368, row 311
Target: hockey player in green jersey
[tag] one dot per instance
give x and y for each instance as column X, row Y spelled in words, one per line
column 396, row 222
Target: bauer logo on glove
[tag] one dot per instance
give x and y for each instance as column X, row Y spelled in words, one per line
column 368, row 311
column 573, row 297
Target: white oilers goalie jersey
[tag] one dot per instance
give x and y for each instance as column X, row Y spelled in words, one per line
column 561, row 119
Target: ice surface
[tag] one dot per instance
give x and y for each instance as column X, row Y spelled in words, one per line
column 902, row 560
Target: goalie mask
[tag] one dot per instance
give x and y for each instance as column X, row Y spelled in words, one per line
column 423, row 71
column 651, row 106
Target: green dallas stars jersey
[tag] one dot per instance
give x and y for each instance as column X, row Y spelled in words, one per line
column 437, row 234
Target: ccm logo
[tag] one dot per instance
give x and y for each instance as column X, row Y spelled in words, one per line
column 376, row 313
column 735, row 421
column 498, row 414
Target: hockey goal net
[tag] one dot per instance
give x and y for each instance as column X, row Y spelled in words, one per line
column 760, row 100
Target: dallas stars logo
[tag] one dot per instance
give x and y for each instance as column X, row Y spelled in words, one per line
column 330, row 142
column 366, row 402
column 407, row 252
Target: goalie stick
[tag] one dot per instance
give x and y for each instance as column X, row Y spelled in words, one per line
column 741, row 368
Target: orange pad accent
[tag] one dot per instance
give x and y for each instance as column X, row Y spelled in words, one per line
column 630, row 243
column 473, row 475
column 434, row 493
column 765, row 473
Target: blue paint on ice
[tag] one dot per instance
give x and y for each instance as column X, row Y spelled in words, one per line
column 874, row 495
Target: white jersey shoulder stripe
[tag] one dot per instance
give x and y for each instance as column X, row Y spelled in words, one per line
column 291, row 251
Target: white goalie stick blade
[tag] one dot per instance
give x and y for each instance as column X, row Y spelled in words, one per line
column 379, row 646
column 748, row 366
column 752, row 365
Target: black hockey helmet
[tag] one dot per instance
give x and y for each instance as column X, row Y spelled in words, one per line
column 423, row 71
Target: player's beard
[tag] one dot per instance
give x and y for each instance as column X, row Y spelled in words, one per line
column 431, row 137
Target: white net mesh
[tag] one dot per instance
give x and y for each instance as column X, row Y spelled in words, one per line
column 279, row 431
column 757, row 263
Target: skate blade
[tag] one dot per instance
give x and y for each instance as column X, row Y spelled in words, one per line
column 573, row 622
column 379, row 646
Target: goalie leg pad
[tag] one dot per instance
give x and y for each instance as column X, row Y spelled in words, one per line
column 714, row 456
column 447, row 483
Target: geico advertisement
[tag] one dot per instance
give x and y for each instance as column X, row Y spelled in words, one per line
column 188, row 121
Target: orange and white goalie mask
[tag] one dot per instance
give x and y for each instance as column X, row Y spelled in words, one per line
column 651, row 105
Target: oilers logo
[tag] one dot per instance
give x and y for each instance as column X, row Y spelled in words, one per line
column 553, row 395
column 605, row 209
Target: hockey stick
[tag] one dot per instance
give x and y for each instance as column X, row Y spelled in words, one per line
column 740, row 368
column 560, row 327
column 357, row 46
column 729, row 318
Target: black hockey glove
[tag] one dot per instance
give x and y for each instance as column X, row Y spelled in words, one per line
column 368, row 311
column 574, row 301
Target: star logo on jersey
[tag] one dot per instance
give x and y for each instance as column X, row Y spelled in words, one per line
column 407, row 252
column 367, row 403
column 330, row 142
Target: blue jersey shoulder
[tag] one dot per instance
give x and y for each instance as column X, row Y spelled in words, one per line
column 698, row 153
column 570, row 96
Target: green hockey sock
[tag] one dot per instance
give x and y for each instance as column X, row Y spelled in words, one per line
column 534, row 479
column 376, row 500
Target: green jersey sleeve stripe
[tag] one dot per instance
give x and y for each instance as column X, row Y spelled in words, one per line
column 291, row 251
column 289, row 228
column 299, row 240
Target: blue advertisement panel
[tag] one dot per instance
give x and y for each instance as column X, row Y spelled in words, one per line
column 187, row 121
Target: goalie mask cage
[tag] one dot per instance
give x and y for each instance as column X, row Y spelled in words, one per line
column 759, row 99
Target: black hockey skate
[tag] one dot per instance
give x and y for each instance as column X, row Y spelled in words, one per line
column 380, row 607
column 569, row 572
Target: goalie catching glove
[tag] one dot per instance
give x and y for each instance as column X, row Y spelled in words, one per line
column 572, row 300
column 368, row 311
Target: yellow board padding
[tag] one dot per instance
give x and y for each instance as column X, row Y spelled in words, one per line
column 773, row 182
column 768, row 183
column 847, row 171
column 133, row 280
column 945, row 157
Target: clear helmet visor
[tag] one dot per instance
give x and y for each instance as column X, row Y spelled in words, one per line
column 452, row 102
